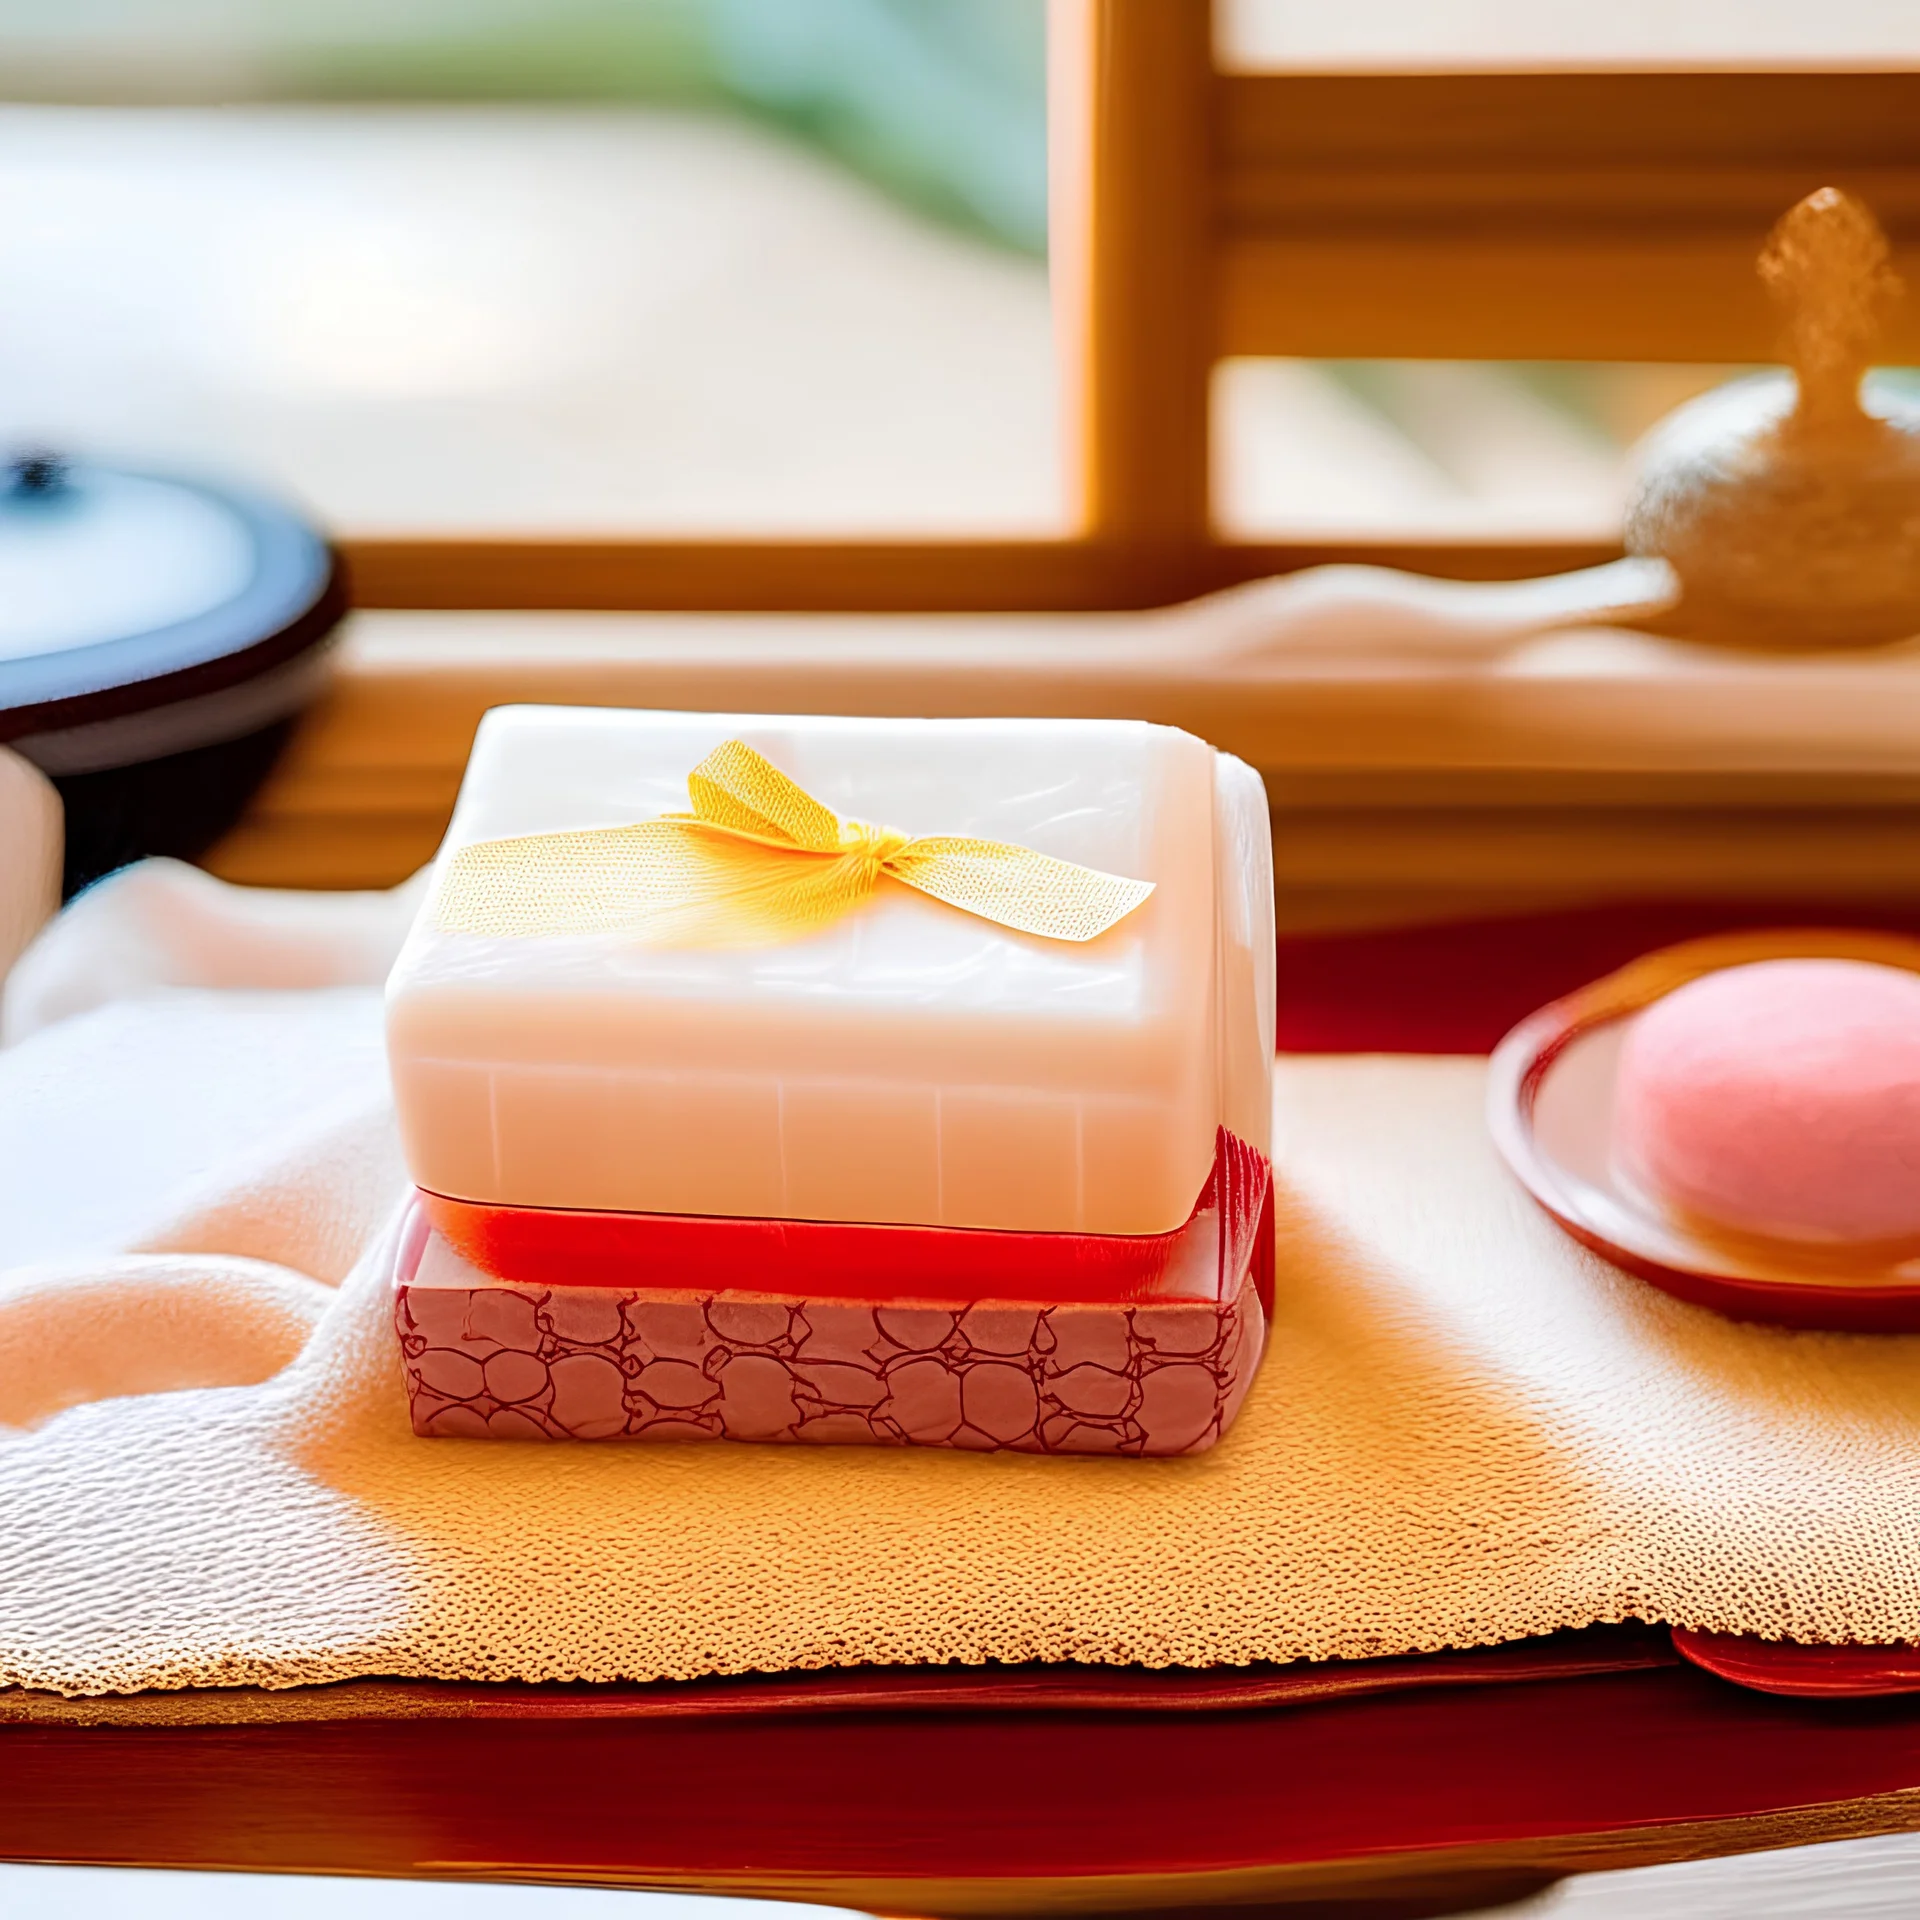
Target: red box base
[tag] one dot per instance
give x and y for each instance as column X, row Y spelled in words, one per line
column 501, row 1359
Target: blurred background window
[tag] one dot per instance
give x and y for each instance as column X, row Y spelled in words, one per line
column 1439, row 450
column 1434, row 449
column 675, row 266
column 1260, row 36
column 708, row 267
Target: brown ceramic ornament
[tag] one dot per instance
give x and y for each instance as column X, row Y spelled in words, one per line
column 1789, row 503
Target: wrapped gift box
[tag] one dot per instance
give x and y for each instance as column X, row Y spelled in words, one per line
column 629, row 1091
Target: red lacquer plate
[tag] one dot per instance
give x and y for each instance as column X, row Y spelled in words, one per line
column 1550, row 1107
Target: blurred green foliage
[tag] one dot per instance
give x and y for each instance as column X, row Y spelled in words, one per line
column 941, row 102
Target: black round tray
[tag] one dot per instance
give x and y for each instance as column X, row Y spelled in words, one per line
column 157, row 738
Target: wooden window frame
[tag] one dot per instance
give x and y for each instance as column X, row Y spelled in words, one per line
column 1199, row 214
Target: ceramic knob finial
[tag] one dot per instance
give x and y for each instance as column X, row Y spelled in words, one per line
column 1829, row 268
column 1789, row 503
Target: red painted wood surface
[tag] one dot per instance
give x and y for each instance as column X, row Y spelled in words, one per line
column 948, row 1797
column 1458, row 986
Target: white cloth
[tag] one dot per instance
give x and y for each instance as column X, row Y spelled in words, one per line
column 32, row 843
column 1467, row 1430
column 162, row 923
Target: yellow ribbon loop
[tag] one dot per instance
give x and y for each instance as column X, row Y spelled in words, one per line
column 758, row 860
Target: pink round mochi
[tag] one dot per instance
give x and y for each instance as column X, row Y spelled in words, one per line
column 1779, row 1099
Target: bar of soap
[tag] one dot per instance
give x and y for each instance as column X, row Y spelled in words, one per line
column 909, row 1063
column 1780, row 1099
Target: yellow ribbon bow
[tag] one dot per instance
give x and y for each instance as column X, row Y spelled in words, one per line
column 758, row 860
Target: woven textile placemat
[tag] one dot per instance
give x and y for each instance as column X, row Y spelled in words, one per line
column 1467, row 1431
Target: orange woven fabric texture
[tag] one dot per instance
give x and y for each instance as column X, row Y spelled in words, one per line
column 1467, row 1430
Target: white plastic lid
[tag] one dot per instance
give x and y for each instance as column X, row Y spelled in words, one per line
column 910, row 1063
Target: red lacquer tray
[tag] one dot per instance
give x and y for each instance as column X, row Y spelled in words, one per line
column 1800, row 1670
column 1420, row 1785
column 1550, row 1108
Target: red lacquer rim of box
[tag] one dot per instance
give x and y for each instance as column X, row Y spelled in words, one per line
column 842, row 1260
column 1524, row 1058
